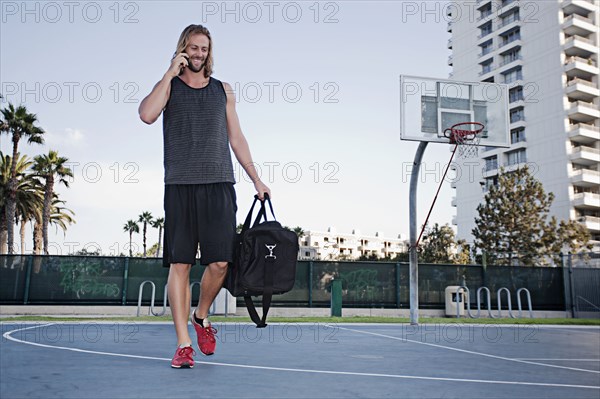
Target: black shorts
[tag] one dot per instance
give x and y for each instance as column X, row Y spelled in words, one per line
column 201, row 214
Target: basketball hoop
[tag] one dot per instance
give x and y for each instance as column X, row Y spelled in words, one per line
column 466, row 136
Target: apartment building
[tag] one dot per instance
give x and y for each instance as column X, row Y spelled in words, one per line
column 330, row 245
column 547, row 52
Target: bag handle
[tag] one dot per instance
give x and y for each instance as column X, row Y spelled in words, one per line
column 263, row 208
column 262, row 213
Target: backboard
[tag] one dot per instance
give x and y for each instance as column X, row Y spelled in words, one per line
column 428, row 106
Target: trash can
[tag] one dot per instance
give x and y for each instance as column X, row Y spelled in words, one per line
column 452, row 303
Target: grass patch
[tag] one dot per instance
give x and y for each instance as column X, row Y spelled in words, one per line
column 356, row 319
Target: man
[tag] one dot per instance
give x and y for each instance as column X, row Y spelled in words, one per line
column 199, row 125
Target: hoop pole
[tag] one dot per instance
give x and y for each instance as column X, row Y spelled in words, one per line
column 436, row 195
column 413, row 256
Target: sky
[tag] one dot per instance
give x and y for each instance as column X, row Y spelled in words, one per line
column 317, row 87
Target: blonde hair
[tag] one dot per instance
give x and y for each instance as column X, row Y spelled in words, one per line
column 184, row 39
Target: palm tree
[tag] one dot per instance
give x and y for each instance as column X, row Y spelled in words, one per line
column 131, row 227
column 59, row 216
column 29, row 198
column 19, row 123
column 30, row 203
column 158, row 223
column 49, row 167
column 145, row 218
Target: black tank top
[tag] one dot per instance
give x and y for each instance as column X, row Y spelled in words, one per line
column 196, row 145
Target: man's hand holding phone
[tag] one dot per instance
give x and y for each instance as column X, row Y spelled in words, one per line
column 179, row 62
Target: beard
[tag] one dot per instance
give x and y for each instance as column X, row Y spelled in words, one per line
column 192, row 68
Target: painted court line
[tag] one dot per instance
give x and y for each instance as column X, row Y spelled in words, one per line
column 468, row 351
column 562, row 360
column 8, row 335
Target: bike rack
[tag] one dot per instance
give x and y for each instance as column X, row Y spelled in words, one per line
column 462, row 287
column 489, row 302
column 499, row 296
column 152, row 298
column 528, row 301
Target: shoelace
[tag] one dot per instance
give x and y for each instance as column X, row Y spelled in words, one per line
column 210, row 333
column 185, row 351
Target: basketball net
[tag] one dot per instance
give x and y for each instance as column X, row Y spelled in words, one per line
column 466, row 136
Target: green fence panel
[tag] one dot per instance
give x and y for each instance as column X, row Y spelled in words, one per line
column 364, row 284
column 75, row 279
column 13, row 270
column 544, row 283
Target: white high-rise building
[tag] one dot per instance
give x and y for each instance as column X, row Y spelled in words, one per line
column 547, row 52
column 331, row 245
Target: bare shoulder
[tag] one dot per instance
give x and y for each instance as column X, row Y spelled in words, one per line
column 228, row 91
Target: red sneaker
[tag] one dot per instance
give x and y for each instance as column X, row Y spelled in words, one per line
column 183, row 358
column 206, row 338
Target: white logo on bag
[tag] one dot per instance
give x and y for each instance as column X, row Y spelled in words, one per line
column 271, row 248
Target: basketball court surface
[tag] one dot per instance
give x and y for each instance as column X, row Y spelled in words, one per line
column 129, row 359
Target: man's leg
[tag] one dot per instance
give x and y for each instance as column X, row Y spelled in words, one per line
column 212, row 281
column 179, row 300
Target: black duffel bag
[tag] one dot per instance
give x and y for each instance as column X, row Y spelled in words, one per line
column 264, row 262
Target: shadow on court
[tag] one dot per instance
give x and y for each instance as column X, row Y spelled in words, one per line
column 128, row 360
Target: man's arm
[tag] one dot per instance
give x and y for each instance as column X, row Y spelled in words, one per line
column 154, row 103
column 239, row 144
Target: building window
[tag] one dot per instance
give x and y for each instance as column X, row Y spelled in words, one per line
column 511, row 56
column 489, row 183
column 511, row 36
column 517, row 114
column 486, row 48
column 326, row 239
column 491, row 163
column 510, row 18
column 486, row 66
column 486, row 29
column 516, row 157
column 515, row 94
column 517, row 135
column 513, row 75
column 307, row 253
column 486, row 11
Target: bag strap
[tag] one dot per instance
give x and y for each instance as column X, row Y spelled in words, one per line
column 262, row 213
column 261, row 322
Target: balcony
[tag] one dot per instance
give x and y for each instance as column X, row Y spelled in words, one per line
column 511, row 60
column 585, row 178
column 450, row 60
column 481, row 3
column 578, row 67
column 450, row 43
column 583, row 155
column 449, row 27
column 484, row 17
column 581, row 7
column 592, row 223
column 507, row 45
column 507, row 7
column 586, row 201
column 577, row 25
column 580, row 89
column 580, row 111
column 453, row 202
column 486, row 69
column 579, row 46
column 584, row 133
